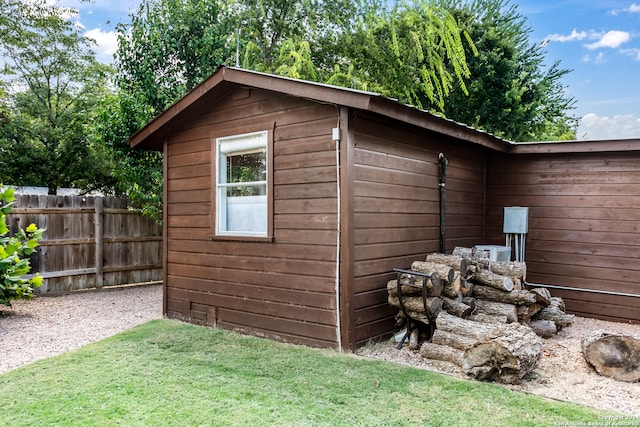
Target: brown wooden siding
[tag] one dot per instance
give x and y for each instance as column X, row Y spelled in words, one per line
column 396, row 210
column 283, row 289
column 584, row 227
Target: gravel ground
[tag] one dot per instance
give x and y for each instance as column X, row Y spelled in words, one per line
column 561, row 374
column 46, row 326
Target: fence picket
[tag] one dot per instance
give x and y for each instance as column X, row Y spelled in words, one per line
column 90, row 242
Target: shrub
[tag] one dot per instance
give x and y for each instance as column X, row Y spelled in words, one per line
column 14, row 255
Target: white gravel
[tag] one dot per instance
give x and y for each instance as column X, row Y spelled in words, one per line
column 46, row 326
column 561, row 374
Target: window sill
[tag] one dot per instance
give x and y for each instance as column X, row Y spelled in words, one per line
column 260, row 239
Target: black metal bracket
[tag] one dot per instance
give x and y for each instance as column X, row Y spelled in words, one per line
column 423, row 286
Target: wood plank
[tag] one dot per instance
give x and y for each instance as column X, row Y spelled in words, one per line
column 249, row 277
column 305, row 191
column 267, row 293
column 305, row 206
column 286, row 310
column 279, row 329
column 301, row 267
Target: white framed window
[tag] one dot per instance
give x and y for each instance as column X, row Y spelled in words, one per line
column 242, row 205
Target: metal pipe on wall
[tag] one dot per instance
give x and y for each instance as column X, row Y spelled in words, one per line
column 444, row 163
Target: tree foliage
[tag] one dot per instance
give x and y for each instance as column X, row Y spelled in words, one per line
column 511, row 93
column 14, row 255
column 169, row 47
column 468, row 60
column 52, row 84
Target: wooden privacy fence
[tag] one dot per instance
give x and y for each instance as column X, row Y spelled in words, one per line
column 89, row 242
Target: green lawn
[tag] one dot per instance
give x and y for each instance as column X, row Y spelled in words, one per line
column 168, row 373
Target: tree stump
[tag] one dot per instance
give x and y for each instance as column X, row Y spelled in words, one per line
column 506, row 358
column 613, row 355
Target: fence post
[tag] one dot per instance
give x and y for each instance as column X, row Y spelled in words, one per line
column 99, row 234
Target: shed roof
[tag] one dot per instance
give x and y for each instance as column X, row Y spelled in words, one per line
column 225, row 78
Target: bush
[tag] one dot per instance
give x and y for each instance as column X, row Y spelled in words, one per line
column 14, row 255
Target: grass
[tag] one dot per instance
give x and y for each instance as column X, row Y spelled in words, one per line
column 169, row 373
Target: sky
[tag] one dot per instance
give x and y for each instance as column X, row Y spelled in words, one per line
column 598, row 40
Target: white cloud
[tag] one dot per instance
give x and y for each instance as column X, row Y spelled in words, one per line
column 635, row 52
column 634, row 8
column 575, row 35
column 595, row 127
column 612, row 39
column 598, row 59
column 107, row 44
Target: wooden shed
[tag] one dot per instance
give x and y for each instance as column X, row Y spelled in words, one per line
column 288, row 204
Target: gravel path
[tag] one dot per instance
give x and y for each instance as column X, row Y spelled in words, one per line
column 47, row 326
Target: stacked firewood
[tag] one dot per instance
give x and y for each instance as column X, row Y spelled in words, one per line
column 476, row 314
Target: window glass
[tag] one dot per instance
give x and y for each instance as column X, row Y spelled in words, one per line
column 241, row 190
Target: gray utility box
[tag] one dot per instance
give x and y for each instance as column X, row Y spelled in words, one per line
column 516, row 220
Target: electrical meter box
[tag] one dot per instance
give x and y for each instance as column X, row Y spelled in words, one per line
column 516, row 220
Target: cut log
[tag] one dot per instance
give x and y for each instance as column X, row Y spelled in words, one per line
column 543, row 296
column 513, row 297
column 494, row 280
column 488, row 318
column 419, row 316
column 441, row 352
column 543, row 328
column 463, row 252
column 442, row 337
column 433, row 286
column 613, row 355
column 555, row 312
column 414, row 339
column 479, row 331
column 509, row 268
column 453, row 289
column 453, row 261
column 471, row 302
column 526, row 312
column 455, row 307
column 506, row 358
column 445, row 273
column 415, row 307
column 499, row 308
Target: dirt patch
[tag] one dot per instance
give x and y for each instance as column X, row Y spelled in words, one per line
column 562, row 372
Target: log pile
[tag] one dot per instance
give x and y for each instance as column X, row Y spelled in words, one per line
column 476, row 314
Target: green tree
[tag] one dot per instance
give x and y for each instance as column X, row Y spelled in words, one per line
column 166, row 49
column 14, row 255
column 511, row 93
column 414, row 52
column 169, row 47
column 54, row 84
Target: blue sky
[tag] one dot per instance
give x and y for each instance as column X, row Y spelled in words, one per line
column 599, row 40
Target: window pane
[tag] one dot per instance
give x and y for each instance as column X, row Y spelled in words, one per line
column 247, row 190
column 246, row 167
